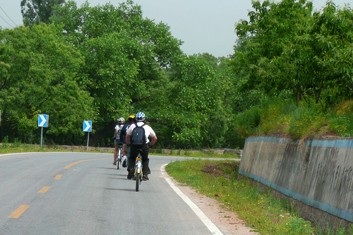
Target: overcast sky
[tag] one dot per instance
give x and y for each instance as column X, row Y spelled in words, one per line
column 202, row 25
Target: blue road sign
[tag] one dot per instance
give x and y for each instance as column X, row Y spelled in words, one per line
column 87, row 126
column 43, row 120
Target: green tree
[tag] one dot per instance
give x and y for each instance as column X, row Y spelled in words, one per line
column 126, row 57
column 271, row 29
column 316, row 61
column 287, row 51
column 332, row 44
column 285, row 48
column 40, row 75
column 35, row 11
column 197, row 114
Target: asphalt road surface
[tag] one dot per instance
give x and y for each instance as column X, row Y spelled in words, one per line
column 83, row 193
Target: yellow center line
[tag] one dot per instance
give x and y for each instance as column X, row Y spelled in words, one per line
column 18, row 212
column 22, row 209
column 58, row 177
column 78, row 162
column 44, row 189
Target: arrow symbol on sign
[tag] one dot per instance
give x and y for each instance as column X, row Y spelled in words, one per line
column 43, row 120
column 87, row 126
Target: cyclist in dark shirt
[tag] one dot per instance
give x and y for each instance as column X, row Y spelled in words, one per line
column 126, row 149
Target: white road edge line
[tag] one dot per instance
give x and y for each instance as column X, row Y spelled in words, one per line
column 9, row 154
column 23, row 153
column 209, row 224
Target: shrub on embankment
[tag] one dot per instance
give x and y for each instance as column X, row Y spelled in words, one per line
column 296, row 120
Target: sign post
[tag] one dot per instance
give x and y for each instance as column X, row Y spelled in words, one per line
column 87, row 127
column 43, row 121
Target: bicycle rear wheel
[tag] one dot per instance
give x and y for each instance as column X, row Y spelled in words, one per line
column 118, row 160
column 138, row 180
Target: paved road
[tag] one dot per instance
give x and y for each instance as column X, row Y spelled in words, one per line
column 82, row 193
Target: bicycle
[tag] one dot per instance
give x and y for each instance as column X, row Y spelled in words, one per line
column 119, row 156
column 138, row 171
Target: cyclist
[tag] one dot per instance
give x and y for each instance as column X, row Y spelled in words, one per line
column 126, row 150
column 118, row 142
column 149, row 133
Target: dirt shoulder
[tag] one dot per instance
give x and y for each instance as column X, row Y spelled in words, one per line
column 226, row 221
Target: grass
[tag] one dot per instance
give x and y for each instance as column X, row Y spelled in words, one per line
column 19, row 148
column 258, row 207
column 195, row 153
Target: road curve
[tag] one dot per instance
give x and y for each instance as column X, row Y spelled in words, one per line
column 83, row 193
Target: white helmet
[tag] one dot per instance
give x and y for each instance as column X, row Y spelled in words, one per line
column 121, row 120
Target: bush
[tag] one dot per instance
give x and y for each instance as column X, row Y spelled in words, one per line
column 286, row 118
column 341, row 120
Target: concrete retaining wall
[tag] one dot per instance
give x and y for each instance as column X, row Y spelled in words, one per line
column 318, row 173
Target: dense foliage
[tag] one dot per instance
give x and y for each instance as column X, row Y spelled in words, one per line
column 40, row 74
column 286, row 48
column 291, row 73
column 288, row 53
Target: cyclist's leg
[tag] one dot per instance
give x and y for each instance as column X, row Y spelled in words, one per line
column 131, row 164
column 145, row 161
column 124, row 155
column 124, row 150
column 132, row 157
column 128, row 151
column 115, row 153
column 128, row 154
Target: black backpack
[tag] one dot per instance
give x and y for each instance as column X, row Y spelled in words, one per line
column 138, row 136
column 123, row 132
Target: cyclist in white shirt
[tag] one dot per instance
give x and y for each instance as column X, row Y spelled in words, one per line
column 118, row 142
column 149, row 140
